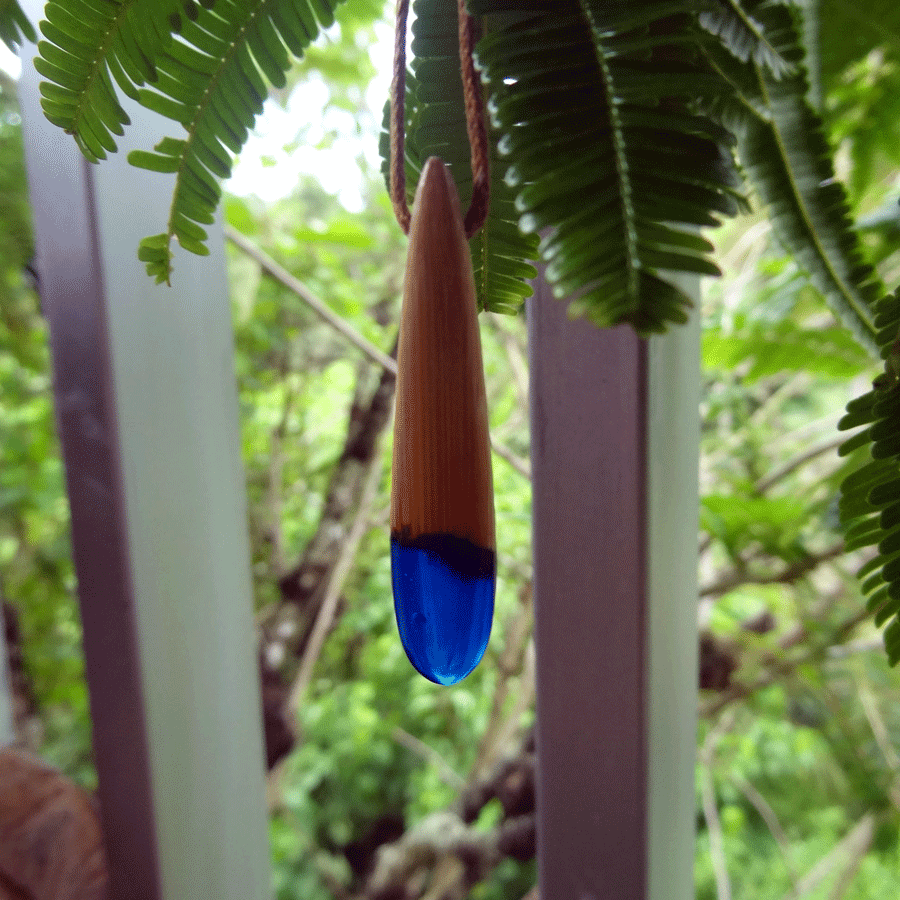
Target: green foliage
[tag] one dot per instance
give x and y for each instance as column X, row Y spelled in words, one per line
column 870, row 508
column 90, row 44
column 209, row 79
column 618, row 179
column 772, row 522
column 850, row 32
column 436, row 126
column 598, row 141
column 500, row 251
column 787, row 157
column 865, row 110
column 743, row 36
column 761, row 350
column 860, row 68
column 14, row 24
column 777, row 368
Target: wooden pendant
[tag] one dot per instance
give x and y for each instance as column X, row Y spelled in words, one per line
column 443, row 547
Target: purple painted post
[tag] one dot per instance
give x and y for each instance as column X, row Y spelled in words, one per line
column 614, row 444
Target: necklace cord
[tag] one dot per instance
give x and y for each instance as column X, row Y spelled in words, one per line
column 398, row 119
column 475, row 127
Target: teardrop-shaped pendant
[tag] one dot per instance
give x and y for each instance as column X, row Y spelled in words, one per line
column 443, row 548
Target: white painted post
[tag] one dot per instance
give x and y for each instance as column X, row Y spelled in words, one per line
column 148, row 415
column 673, row 511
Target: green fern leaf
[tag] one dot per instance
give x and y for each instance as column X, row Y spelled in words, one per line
column 743, row 36
column 14, row 25
column 89, row 45
column 870, row 497
column 436, row 126
column 786, row 155
column 212, row 81
column 614, row 178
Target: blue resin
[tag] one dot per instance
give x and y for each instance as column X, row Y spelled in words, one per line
column 444, row 601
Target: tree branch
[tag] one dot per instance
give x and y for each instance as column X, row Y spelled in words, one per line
column 510, row 663
column 779, row 666
column 787, row 575
column 411, row 742
column 859, row 839
column 764, row 484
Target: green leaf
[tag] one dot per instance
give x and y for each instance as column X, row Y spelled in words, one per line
column 767, row 348
column 153, row 161
column 870, row 497
column 90, row 44
column 743, row 36
column 14, row 25
column 785, row 153
column 209, row 82
column 501, row 254
column 596, row 159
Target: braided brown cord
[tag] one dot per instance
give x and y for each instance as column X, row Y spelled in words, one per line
column 398, row 119
column 481, row 179
column 478, row 141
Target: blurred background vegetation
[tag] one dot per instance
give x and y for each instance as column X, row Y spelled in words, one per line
column 798, row 772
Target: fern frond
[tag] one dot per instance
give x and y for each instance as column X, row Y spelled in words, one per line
column 743, row 36
column 870, row 497
column 89, row 45
column 212, row 80
column 595, row 105
column 14, row 25
column 785, row 153
column 436, row 126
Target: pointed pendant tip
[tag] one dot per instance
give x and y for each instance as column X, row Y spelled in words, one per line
column 437, row 190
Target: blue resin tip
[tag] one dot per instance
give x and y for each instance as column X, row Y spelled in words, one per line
column 444, row 601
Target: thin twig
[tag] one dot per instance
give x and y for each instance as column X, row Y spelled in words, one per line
column 779, row 666
column 769, row 816
column 524, row 697
column 879, row 729
column 515, row 356
column 333, row 588
column 505, row 453
column 858, row 851
column 411, row 742
column 276, row 477
column 859, row 838
column 710, row 810
column 510, row 662
column 791, row 465
column 281, row 275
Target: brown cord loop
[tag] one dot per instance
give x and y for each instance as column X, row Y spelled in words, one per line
column 398, row 119
column 478, row 141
